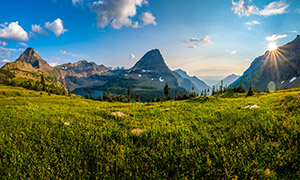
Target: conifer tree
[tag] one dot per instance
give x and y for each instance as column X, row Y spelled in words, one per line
column 166, row 92
column 250, row 91
column 87, row 96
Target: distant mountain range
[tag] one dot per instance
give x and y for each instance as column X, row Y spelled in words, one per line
column 278, row 69
column 227, row 81
column 190, row 83
column 147, row 77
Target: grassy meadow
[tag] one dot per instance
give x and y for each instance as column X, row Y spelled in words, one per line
column 228, row 136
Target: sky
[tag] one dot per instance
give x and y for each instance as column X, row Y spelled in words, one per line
column 209, row 39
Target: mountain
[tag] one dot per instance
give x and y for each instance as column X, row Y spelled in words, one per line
column 198, row 84
column 185, row 83
column 227, row 81
column 72, row 76
column 86, row 74
column 147, row 77
column 29, row 60
column 31, row 65
column 30, row 56
column 277, row 67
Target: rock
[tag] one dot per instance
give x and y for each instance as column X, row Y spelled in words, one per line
column 67, row 123
column 251, row 106
column 166, row 109
column 120, row 114
column 137, row 131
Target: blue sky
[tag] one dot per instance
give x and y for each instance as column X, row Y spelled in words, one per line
column 209, row 39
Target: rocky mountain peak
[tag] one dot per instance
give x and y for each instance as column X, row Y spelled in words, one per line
column 32, row 57
column 152, row 60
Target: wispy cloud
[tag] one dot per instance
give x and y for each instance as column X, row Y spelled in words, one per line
column 274, row 8
column 6, row 52
column 71, row 54
column 23, row 44
column 275, row 37
column 233, row 52
column 254, row 22
column 197, row 42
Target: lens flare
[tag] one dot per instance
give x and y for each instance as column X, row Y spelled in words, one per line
column 272, row 46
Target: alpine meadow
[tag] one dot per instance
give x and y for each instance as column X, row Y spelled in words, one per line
column 149, row 89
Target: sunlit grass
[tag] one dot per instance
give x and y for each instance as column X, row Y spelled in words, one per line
column 52, row 137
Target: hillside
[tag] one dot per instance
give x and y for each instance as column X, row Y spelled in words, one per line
column 52, row 137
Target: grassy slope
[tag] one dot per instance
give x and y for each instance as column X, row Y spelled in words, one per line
column 212, row 139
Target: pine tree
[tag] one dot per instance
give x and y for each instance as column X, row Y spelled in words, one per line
column 166, row 92
column 128, row 94
column 176, row 96
column 69, row 93
column 87, row 96
column 43, row 82
column 104, row 96
column 158, row 98
column 108, row 95
column 250, row 91
column 99, row 98
column 213, row 91
column 221, row 87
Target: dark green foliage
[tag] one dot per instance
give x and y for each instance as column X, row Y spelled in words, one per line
column 87, row 96
column 250, row 91
column 167, row 92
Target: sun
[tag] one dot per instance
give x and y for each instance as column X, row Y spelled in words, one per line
column 272, row 46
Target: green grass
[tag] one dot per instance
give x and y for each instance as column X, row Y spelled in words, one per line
column 216, row 138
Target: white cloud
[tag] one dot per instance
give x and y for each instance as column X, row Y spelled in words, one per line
column 148, row 18
column 201, row 42
column 13, row 31
column 3, row 43
column 117, row 13
column 53, row 64
column 5, row 61
column 56, row 27
column 23, row 44
column 275, row 37
column 6, row 52
column 71, row 54
column 132, row 57
column 38, row 29
column 254, row 22
column 274, row 8
column 4, row 24
column 242, row 9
